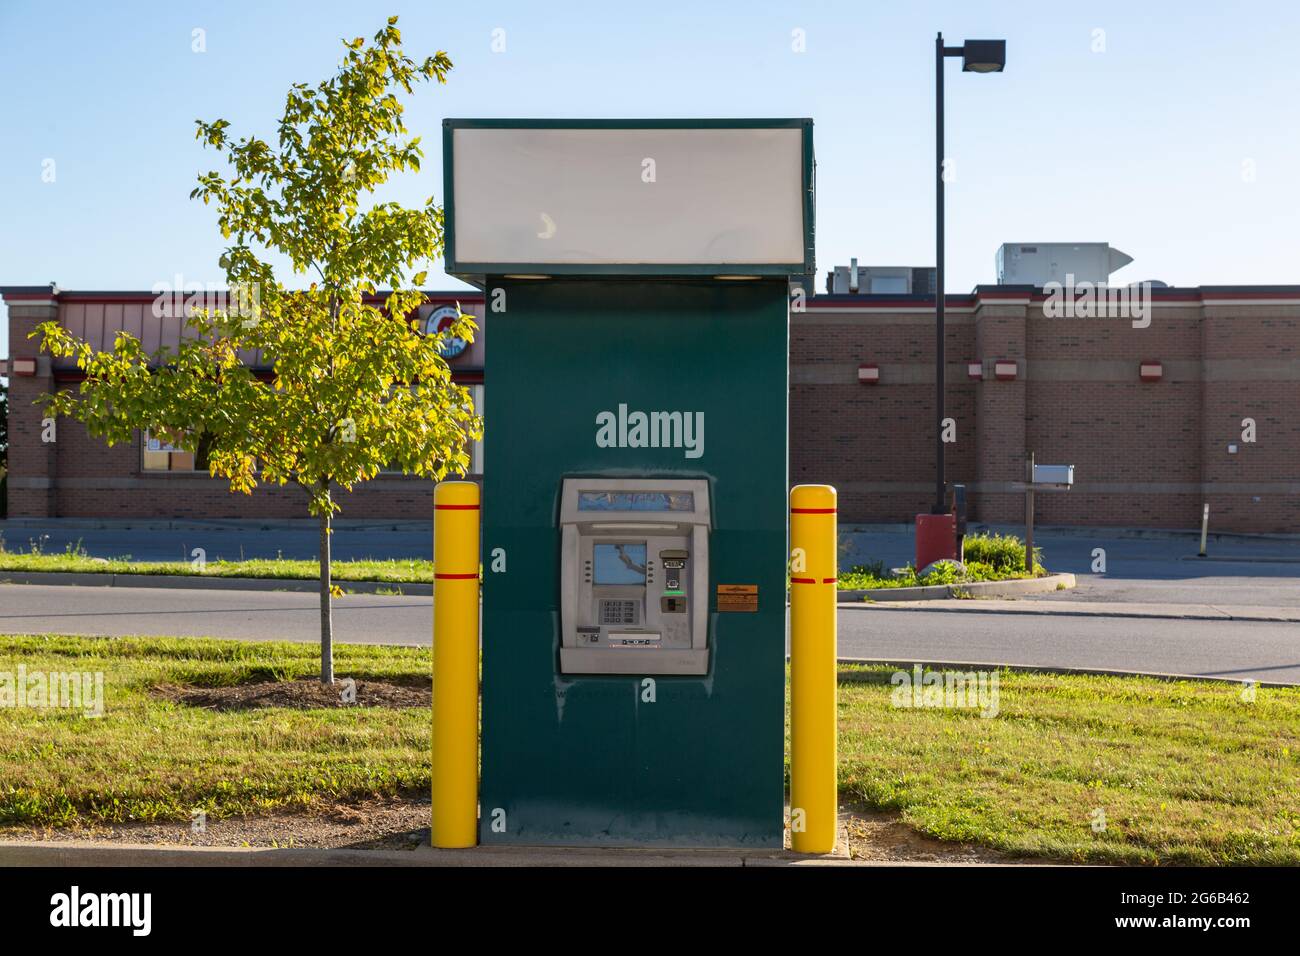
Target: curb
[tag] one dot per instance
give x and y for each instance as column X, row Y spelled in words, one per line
column 1241, row 559
column 932, row 592
column 204, row 583
column 78, row 853
column 1047, row 669
column 1112, row 610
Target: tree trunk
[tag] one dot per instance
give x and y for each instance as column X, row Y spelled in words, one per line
column 326, row 608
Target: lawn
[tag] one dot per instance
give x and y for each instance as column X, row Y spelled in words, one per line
column 150, row 759
column 394, row 571
column 1184, row 772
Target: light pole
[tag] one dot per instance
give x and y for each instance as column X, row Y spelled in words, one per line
column 978, row 56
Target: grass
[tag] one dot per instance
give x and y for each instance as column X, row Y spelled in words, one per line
column 1185, row 772
column 75, row 559
column 988, row 557
column 148, row 759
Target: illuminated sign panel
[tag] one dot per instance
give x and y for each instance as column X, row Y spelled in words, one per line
column 614, row 197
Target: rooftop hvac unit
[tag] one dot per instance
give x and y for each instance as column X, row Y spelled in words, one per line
column 880, row 280
column 1038, row 263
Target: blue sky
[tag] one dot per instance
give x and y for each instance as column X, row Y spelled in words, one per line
column 1179, row 143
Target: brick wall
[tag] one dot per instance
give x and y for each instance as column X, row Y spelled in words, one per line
column 31, row 460
column 1145, row 454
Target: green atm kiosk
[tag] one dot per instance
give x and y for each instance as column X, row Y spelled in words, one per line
column 636, row 284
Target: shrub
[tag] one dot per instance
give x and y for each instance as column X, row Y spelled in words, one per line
column 1002, row 552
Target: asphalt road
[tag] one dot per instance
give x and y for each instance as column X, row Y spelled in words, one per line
column 1231, row 649
column 246, row 615
column 1160, row 568
column 1237, row 650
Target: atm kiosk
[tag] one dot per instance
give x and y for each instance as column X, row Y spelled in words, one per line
column 634, row 576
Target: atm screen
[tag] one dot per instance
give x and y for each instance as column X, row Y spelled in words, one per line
column 636, row 501
column 619, row 564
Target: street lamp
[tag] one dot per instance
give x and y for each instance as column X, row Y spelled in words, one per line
column 977, row 56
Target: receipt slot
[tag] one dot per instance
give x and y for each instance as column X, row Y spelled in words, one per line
column 634, row 576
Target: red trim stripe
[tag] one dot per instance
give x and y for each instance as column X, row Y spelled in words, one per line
column 456, row 507
column 812, row 581
column 455, row 577
column 813, row 511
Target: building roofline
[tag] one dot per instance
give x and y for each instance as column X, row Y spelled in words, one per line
column 1029, row 293
column 17, row 293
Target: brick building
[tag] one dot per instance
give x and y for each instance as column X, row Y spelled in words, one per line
column 1149, row 450
column 78, row 476
column 1146, row 453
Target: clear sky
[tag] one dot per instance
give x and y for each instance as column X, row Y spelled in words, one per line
column 1169, row 129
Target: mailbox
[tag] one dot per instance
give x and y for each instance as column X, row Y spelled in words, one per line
column 1053, row 476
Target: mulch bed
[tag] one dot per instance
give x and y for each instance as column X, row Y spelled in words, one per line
column 303, row 694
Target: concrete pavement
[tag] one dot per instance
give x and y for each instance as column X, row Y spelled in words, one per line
column 86, row 853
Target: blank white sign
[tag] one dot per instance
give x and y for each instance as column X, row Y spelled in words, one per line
column 628, row 196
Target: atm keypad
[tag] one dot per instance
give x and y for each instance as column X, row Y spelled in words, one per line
column 613, row 612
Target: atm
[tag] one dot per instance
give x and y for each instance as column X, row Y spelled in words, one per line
column 634, row 576
column 634, row 579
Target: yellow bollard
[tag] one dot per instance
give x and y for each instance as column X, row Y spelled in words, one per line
column 813, row 718
column 455, row 663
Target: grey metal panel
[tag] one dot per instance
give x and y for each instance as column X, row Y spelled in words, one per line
column 632, row 660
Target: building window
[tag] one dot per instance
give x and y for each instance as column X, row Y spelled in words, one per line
column 159, row 455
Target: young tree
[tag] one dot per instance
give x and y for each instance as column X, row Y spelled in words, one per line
column 354, row 386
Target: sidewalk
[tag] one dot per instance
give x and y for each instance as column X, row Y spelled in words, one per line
column 79, row 853
column 1191, row 612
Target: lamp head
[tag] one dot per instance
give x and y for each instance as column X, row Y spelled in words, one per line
column 984, row 56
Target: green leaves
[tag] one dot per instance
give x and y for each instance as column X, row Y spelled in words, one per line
column 273, row 385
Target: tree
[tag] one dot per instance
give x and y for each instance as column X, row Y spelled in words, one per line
column 354, row 386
